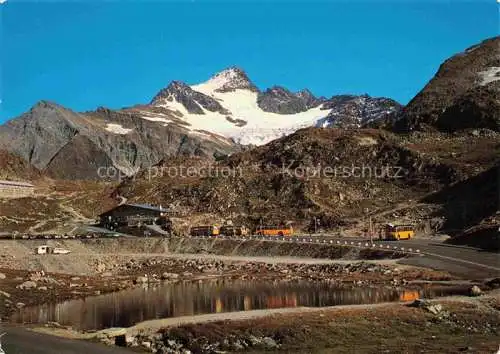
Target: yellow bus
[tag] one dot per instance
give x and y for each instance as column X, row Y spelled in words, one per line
column 397, row 232
column 274, row 231
column 230, row 230
column 206, row 230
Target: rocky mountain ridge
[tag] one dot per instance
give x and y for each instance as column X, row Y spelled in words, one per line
column 347, row 111
column 279, row 100
column 193, row 101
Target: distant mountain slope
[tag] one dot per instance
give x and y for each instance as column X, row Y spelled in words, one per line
column 464, row 93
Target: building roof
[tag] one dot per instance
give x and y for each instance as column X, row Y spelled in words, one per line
column 15, row 183
column 140, row 206
column 147, row 206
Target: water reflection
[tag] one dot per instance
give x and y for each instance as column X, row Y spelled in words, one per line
column 125, row 308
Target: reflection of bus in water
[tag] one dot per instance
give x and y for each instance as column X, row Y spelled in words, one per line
column 270, row 302
column 218, row 305
column 247, row 303
column 409, row 295
column 274, row 302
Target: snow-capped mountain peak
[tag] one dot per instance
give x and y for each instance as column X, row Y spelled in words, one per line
column 227, row 80
column 231, row 106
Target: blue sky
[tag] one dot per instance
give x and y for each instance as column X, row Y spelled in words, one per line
column 116, row 54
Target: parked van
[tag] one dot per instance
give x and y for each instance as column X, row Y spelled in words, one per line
column 45, row 249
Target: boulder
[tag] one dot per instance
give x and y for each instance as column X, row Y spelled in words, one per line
column 112, row 332
column 112, row 336
column 475, row 291
column 101, row 267
column 254, row 341
column 141, row 280
column 237, row 346
column 427, row 305
column 27, row 285
column 269, row 343
column 54, row 324
column 2, row 276
column 169, row 276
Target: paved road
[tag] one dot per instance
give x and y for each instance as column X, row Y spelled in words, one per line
column 18, row 340
column 464, row 261
column 459, row 260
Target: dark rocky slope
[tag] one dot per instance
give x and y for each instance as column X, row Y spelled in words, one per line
column 464, row 93
column 15, row 168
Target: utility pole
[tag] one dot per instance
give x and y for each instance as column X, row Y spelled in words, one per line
column 370, row 230
column 1, row 350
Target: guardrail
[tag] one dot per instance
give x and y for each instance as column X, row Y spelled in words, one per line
column 310, row 240
column 54, row 237
column 287, row 239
